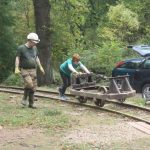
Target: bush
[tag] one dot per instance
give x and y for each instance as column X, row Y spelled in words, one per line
column 57, row 77
column 102, row 59
column 13, row 80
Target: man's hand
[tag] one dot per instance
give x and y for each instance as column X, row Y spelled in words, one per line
column 41, row 69
column 17, row 70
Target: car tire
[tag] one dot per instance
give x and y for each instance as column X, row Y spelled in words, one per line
column 146, row 92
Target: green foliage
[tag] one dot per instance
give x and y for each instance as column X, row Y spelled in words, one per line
column 14, row 80
column 7, row 45
column 123, row 23
column 57, row 77
column 142, row 9
column 109, row 55
column 97, row 30
column 16, row 20
column 104, row 58
column 23, row 12
column 67, row 33
column 123, row 17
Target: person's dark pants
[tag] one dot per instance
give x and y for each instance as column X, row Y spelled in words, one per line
column 26, row 94
column 66, row 83
column 31, row 98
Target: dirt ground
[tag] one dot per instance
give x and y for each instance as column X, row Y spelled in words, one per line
column 86, row 130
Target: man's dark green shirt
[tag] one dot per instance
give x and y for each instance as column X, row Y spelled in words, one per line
column 27, row 57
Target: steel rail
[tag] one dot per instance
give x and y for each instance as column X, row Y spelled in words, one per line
column 70, row 95
column 7, row 90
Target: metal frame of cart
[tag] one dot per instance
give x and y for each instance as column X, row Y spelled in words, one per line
column 84, row 87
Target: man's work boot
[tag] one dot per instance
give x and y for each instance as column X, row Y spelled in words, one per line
column 25, row 97
column 31, row 99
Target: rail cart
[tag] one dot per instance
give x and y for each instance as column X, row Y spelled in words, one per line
column 84, row 87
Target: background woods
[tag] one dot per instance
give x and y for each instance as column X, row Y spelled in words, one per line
column 97, row 29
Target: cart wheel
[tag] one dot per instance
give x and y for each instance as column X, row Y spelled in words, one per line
column 102, row 89
column 121, row 100
column 82, row 99
column 100, row 102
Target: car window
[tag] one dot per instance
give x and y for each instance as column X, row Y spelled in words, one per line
column 146, row 64
column 130, row 65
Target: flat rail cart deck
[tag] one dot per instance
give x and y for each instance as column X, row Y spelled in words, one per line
column 84, row 87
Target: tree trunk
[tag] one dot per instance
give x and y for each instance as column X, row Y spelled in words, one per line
column 42, row 23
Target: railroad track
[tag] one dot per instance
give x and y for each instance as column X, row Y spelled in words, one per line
column 127, row 110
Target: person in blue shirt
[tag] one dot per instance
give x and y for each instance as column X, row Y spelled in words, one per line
column 66, row 68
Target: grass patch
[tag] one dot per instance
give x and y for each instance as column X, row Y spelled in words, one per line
column 137, row 101
column 13, row 115
column 52, row 112
column 82, row 146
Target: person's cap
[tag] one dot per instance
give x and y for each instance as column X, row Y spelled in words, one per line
column 34, row 37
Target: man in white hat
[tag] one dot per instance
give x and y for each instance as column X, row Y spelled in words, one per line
column 26, row 63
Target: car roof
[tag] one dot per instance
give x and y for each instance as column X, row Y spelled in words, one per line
column 143, row 50
column 135, row 60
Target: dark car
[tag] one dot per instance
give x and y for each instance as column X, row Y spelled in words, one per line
column 128, row 67
column 138, row 70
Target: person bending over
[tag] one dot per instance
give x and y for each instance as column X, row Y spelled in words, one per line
column 66, row 68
